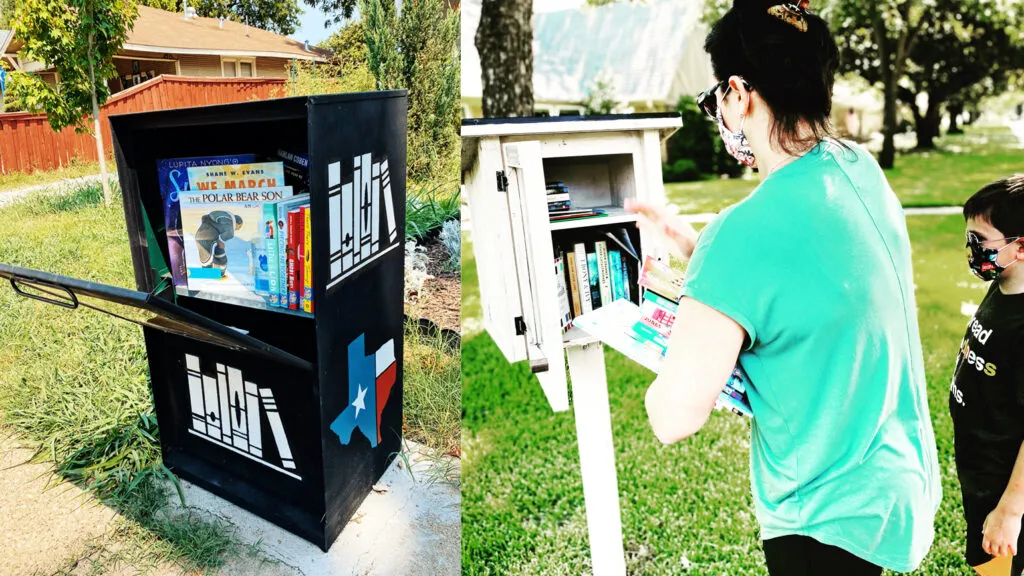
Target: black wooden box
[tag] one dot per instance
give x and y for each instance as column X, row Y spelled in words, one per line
column 291, row 416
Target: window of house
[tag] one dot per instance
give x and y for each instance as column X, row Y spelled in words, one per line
column 238, row 67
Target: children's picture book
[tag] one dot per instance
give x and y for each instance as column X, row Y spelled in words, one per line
column 224, row 234
column 236, row 177
column 172, row 175
column 616, row 325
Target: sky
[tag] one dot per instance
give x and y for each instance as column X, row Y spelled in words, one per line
column 311, row 26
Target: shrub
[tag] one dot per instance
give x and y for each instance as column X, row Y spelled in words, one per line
column 451, row 238
column 682, row 170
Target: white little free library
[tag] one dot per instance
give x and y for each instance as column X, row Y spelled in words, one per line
column 507, row 165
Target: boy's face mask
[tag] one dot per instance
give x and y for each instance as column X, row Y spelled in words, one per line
column 983, row 261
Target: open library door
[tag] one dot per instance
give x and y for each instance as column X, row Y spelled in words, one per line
column 535, row 262
column 147, row 310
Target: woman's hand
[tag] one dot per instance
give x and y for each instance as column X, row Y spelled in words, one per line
column 677, row 234
column 1001, row 530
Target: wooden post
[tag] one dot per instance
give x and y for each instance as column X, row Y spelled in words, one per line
column 597, row 458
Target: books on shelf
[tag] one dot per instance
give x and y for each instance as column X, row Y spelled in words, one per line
column 286, row 248
column 577, row 214
column 583, row 277
column 224, row 241
column 226, row 237
column 172, row 175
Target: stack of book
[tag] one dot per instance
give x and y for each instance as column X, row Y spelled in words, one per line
column 663, row 288
column 235, row 228
column 558, row 198
column 560, row 204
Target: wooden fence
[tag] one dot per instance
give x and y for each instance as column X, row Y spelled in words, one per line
column 28, row 143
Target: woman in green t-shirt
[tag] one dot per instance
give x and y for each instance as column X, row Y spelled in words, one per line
column 807, row 283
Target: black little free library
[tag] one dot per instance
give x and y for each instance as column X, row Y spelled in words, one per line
column 292, row 415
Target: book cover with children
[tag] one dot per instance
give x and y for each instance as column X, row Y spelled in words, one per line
column 172, row 175
column 225, row 178
column 224, row 238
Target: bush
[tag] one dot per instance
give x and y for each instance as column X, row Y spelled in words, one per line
column 451, row 238
column 682, row 170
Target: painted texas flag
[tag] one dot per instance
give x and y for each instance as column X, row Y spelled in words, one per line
column 370, row 379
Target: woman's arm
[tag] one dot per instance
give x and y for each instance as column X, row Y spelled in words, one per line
column 702, row 352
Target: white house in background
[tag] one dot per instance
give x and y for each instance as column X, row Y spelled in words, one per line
column 653, row 51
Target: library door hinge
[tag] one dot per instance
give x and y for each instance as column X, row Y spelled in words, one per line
column 520, row 326
column 502, row 181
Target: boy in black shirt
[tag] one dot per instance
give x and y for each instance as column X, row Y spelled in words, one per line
column 986, row 396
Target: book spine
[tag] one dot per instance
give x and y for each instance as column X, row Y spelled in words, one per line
column 574, row 285
column 565, row 314
column 282, row 256
column 270, row 238
column 625, row 279
column 307, row 252
column 293, row 261
column 595, row 280
column 615, row 266
column 601, row 248
column 583, row 275
column 300, row 254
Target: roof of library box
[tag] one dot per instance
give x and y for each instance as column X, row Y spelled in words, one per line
column 652, row 51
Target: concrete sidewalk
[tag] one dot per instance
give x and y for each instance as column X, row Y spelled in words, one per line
column 408, row 525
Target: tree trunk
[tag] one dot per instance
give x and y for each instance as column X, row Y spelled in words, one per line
column 927, row 126
column 955, row 110
column 96, row 128
column 887, row 157
column 504, row 41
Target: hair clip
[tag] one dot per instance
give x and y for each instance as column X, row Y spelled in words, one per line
column 792, row 14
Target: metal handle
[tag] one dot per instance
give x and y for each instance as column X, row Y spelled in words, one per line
column 71, row 304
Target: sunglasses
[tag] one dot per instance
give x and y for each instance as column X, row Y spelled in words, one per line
column 708, row 101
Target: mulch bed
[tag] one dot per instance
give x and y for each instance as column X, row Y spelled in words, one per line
column 440, row 301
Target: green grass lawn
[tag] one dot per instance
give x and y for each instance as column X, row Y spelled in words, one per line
column 75, row 383
column 947, row 176
column 523, row 509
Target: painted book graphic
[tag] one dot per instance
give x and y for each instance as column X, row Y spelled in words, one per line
column 172, row 174
column 224, row 235
column 356, row 205
column 370, row 380
column 236, row 177
column 226, row 410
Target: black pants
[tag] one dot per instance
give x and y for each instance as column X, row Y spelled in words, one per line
column 805, row 556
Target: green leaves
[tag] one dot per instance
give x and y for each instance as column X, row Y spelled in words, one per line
column 56, row 33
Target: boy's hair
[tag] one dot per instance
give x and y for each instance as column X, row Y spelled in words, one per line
column 1001, row 204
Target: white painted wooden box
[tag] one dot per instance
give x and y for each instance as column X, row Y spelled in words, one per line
column 506, row 163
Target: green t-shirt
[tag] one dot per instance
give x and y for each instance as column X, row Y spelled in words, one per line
column 815, row 265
